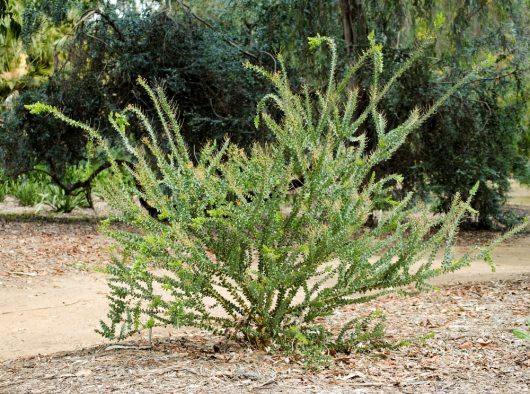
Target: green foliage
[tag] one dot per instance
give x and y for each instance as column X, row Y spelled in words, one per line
column 197, row 68
column 524, row 335
column 74, row 189
column 26, row 142
column 235, row 250
column 10, row 29
column 64, row 197
column 56, row 198
column 357, row 334
column 28, row 190
column 262, row 26
column 444, row 160
column 3, row 190
column 37, row 188
column 483, row 135
column 112, row 43
column 28, row 51
column 4, row 186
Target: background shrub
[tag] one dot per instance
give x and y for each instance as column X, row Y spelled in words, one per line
column 28, row 189
column 59, row 201
column 4, row 186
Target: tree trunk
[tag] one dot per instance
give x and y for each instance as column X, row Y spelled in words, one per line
column 358, row 23
column 345, row 9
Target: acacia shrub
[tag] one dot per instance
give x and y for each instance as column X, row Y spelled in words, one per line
column 235, row 250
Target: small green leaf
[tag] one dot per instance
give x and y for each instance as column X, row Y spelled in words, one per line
column 156, row 302
column 474, row 189
column 164, row 215
column 150, row 323
column 198, row 222
column 439, row 20
column 217, row 212
column 316, row 41
column 525, row 336
column 371, row 38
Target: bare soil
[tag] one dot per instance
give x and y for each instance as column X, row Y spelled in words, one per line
column 473, row 351
column 52, row 297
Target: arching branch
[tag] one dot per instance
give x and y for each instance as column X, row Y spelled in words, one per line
column 109, row 21
column 79, row 185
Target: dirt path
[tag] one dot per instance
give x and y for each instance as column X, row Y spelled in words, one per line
column 42, row 316
column 45, row 318
column 473, row 351
column 48, row 280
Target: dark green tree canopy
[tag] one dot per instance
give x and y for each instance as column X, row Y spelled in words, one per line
column 195, row 49
column 198, row 69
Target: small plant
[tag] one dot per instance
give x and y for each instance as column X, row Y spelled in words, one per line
column 56, row 198
column 28, row 191
column 261, row 245
column 4, row 187
column 39, row 188
column 523, row 334
column 74, row 188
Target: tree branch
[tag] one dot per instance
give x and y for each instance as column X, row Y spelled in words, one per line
column 497, row 77
column 84, row 184
column 54, row 177
column 97, row 11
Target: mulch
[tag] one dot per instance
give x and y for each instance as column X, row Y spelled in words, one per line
column 473, row 351
column 34, row 249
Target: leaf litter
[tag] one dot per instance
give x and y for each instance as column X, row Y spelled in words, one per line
column 473, row 351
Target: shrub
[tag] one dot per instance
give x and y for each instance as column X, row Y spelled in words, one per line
column 3, row 190
column 237, row 249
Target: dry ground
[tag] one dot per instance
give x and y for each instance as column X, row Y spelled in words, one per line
column 473, row 351
column 49, row 278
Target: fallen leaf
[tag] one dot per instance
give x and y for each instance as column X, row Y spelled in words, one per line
column 353, row 375
column 466, row 345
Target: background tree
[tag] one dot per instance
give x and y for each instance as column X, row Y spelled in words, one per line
column 489, row 120
column 195, row 49
column 31, row 48
column 110, row 46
